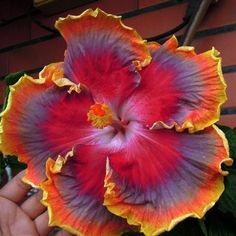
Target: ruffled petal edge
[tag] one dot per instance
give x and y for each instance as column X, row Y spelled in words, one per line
column 99, row 13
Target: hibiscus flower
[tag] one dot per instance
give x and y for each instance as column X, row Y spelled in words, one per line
column 120, row 135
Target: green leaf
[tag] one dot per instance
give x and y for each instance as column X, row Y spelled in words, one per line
column 227, row 201
column 13, row 77
column 231, row 137
column 203, row 226
column 186, row 228
column 220, row 224
column 2, row 166
column 6, row 93
column 14, row 163
column 10, row 80
column 2, row 163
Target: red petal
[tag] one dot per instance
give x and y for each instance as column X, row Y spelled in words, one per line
column 102, row 54
column 163, row 176
column 179, row 88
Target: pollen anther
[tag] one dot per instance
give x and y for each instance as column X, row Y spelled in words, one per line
column 100, row 115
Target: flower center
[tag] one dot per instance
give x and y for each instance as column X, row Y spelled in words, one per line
column 100, row 115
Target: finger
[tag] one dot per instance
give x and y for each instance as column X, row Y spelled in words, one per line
column 16, row 189
column 32, row 206
column 41, row 224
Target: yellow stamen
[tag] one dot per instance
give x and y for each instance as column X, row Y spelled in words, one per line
column 100, row 115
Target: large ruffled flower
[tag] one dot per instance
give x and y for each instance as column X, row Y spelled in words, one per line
column 120, row 135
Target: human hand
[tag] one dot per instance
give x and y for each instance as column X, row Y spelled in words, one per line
column 20, row 215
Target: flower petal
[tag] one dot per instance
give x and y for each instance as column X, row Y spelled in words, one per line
column 43, row 120
column 179, row 88
column 74, row 195
column 102, row 54
column 164, row 177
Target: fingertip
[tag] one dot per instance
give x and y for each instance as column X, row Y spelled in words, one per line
column 41, row 224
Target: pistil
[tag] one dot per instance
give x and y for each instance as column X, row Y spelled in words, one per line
column 100, row 115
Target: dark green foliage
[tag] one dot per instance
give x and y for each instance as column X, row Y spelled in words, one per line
column 219, row 224
column 13, row 77
column 227, row 202
column 231, row 137
column 2, row 165
column 12, row 162
column 186, row 228
column 10, row 80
